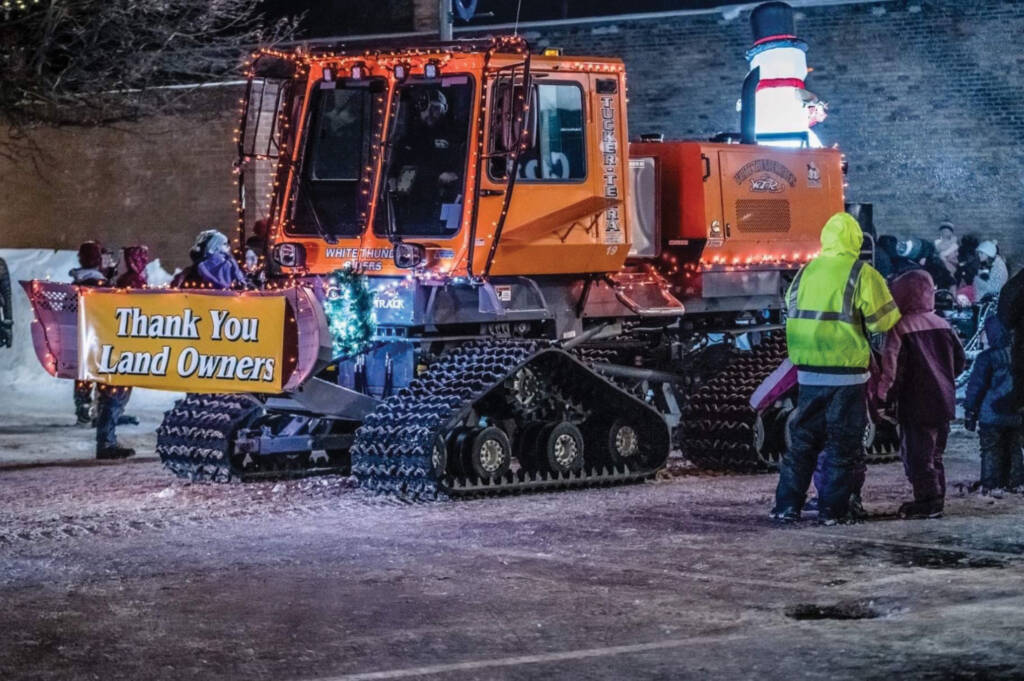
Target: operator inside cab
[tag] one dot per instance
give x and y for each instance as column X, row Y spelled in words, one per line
column 428, row 164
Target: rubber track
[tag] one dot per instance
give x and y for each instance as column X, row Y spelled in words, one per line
column 718, row 421
column 392, row 449
column 194, row 439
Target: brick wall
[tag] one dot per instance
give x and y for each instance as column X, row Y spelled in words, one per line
column 157, row 182
column 925, row 100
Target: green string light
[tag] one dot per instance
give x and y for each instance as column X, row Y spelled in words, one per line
column 350, row 313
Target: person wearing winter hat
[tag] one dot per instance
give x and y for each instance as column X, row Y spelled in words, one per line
column 992, row 274
column 947, row 247
column 921, row 358
column 834, row 301
column 110, row 400
column 90, row 265
column 88, row 273
column 908, row 251
column 989, row 403
column 135, row 260
column 213, row 265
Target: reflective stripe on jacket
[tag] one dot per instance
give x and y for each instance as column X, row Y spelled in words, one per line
column 832, row 299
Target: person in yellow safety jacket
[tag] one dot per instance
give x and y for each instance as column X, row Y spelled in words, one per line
column 833, row 302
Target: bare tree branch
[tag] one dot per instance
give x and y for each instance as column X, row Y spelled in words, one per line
column 100, row 62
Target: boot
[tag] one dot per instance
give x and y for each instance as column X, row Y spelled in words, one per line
column 82, row 417
column 921, row 509
column 785, row 515
column 829, row 520
column 127, row 420
column 114, row 452
column 857, row 511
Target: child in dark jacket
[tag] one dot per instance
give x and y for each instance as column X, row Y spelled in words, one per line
column 921, row 359
column 110, row 400
column 990, row 405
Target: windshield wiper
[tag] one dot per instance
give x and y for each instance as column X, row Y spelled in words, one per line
column 303, row 189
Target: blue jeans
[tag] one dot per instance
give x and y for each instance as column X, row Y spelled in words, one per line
column 829, row 420
column 110, row 404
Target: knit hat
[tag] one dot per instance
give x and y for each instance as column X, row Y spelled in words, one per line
column 90, row 254
column 208, row 242
column 946, row 224
column 989, row 248
column 909, row 248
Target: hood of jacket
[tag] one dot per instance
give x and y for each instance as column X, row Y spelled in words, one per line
column 136, row 258
column 913, row 291
column 208, row 242
column 90, row 255
column 998, row 336
column 841, row 235
column 80, row 274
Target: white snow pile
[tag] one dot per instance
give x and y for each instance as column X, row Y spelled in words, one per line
column 21, row 374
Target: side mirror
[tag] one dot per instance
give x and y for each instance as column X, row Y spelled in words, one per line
column 261, row 133
column 522, row 113
column 502, row 132
column 512, row 113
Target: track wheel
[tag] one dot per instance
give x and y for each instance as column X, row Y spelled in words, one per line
column 524, row 389
column 563, row 447
column 620, row 442
column 490, row 453
column 458, row 449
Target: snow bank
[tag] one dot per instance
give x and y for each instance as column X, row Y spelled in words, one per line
column 22, row 379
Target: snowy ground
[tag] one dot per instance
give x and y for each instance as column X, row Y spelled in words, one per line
column 119, row 571
column 116, row 570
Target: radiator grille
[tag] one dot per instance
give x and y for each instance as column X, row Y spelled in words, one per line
column 762, row 215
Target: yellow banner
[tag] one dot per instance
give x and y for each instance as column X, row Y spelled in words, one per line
column 189, row 342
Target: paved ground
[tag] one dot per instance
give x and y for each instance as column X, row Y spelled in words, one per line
column 118, row 571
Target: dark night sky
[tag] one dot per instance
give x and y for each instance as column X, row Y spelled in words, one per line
column 350, row 17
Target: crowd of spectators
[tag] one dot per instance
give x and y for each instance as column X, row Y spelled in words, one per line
column 213, row 266
column 970, row 268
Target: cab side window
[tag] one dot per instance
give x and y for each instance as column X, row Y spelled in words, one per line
column 556, row 144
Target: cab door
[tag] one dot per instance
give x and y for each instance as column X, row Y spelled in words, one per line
column 566, row 210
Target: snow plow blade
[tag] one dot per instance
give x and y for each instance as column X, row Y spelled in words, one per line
column 303, row 343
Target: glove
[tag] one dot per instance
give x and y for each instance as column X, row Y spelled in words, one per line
column 971, row 422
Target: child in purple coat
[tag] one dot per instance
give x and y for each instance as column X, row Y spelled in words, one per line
column 921, row 358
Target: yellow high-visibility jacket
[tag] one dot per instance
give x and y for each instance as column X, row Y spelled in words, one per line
column 832, row 299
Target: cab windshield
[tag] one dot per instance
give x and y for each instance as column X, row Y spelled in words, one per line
column 426, row 157
column 343, row 116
